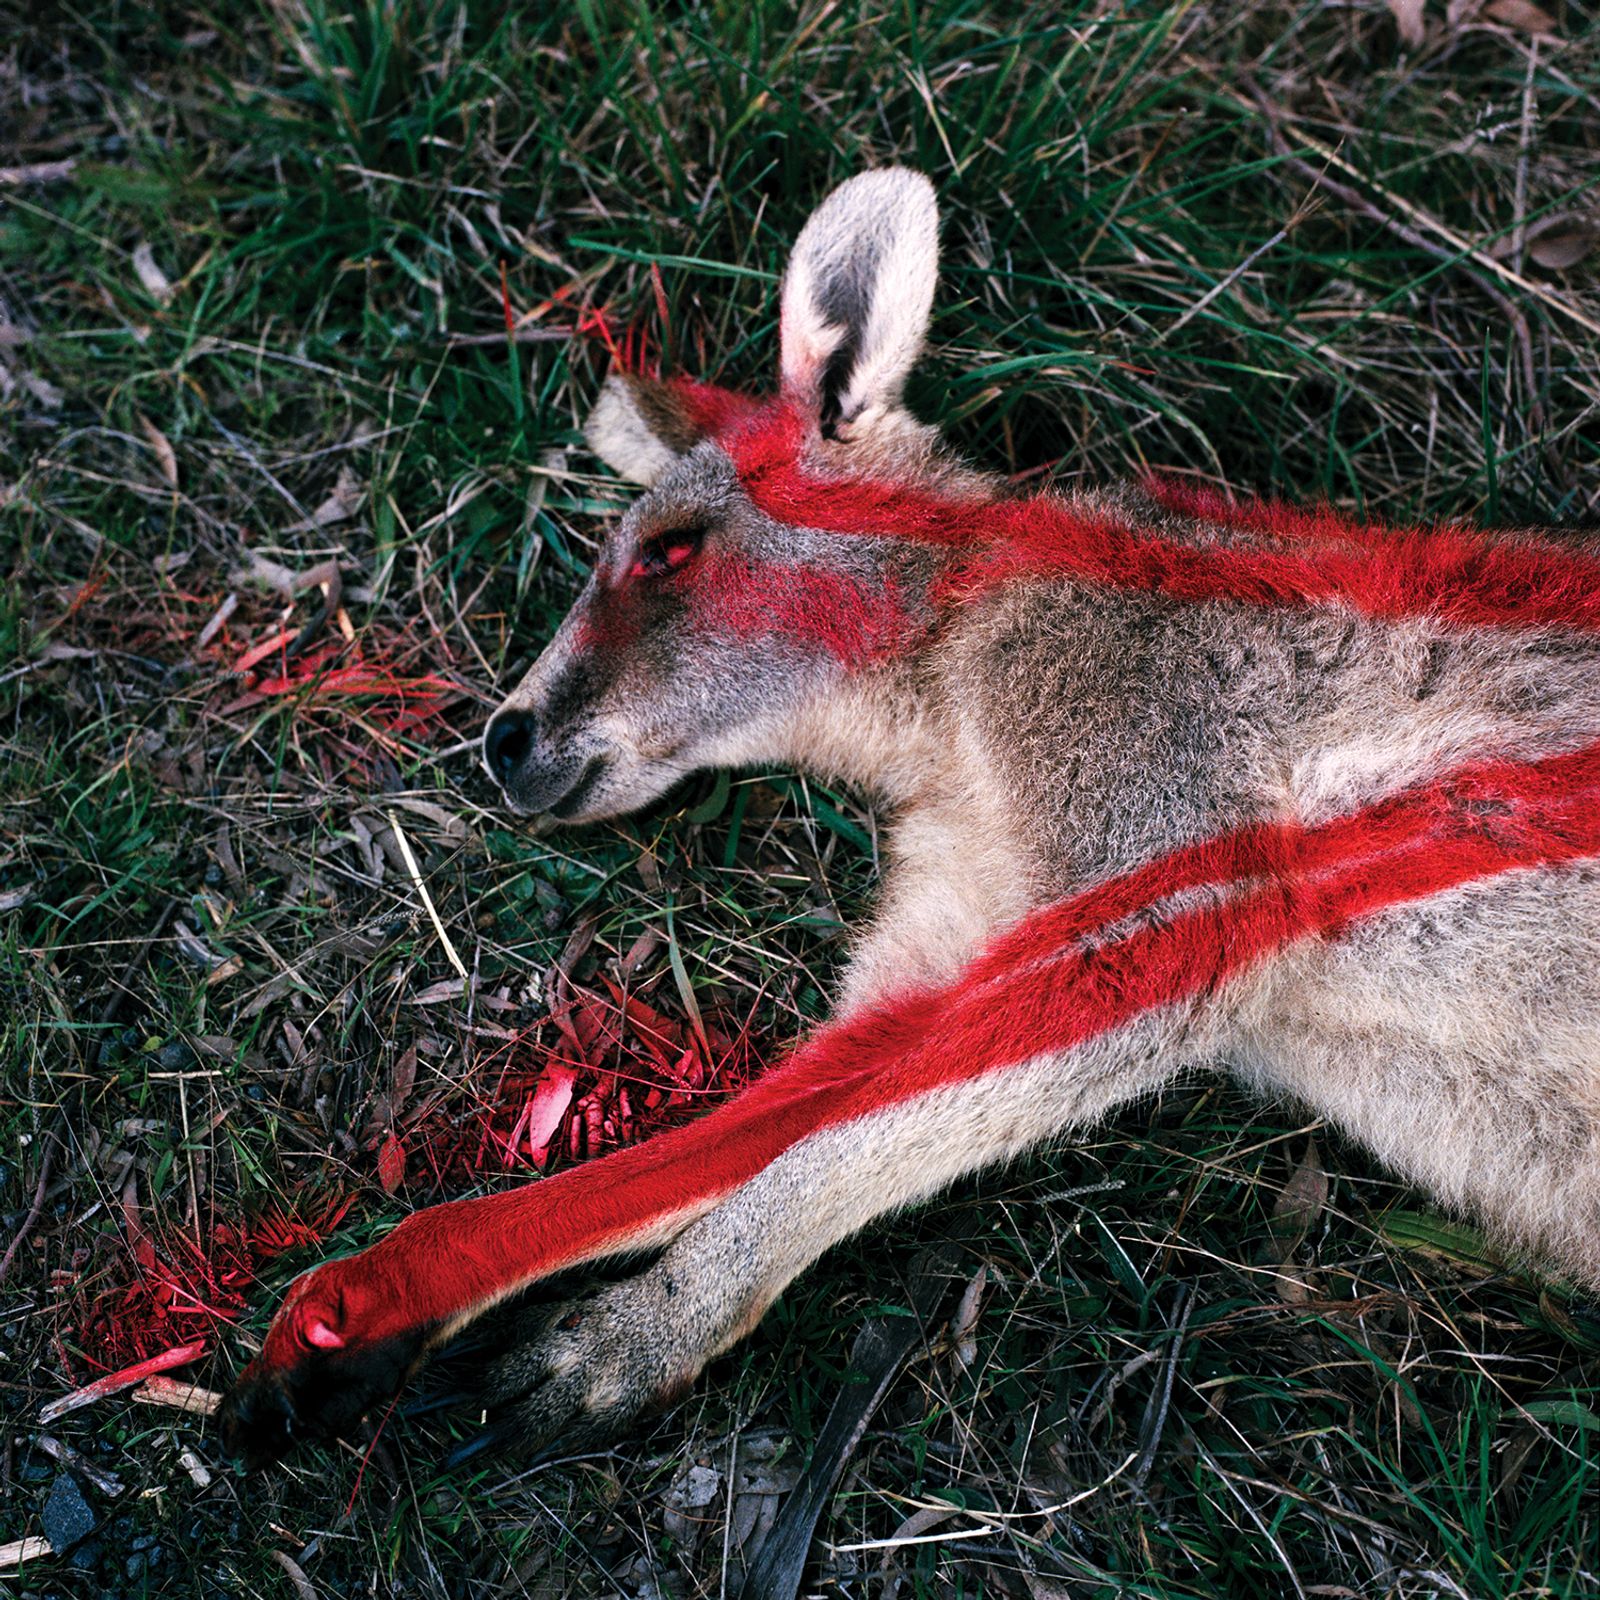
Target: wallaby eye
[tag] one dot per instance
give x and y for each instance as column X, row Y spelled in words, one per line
column 667, row 551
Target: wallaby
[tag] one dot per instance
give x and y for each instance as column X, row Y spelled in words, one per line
column 1174, row 782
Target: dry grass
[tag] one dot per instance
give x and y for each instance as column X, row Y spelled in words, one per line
column 251, row 324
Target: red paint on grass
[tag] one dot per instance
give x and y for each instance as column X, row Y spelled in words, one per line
column 342, row 691
column 629, row 1072
column 1045, row 986
column 169, row 1289
column 615, row 1072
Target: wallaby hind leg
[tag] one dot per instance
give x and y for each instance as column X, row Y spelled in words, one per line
column 1459, row 1039
column 593, row 1364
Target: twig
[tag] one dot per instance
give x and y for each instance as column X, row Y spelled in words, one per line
column 108, row 1483
column 1227, row 283
column 994, row 1520
column 427, row 900
column 1419, row 222
column 35, row 1211
column 1155, row 1418
column 467, row 341
column 21, row 1551
column 116, row 1382
column 178, row 1396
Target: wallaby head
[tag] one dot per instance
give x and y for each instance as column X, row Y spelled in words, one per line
column 708, row 622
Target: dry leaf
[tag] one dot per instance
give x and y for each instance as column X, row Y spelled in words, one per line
column 1520, row 14
column 1301, row 1203
column 392, row 1164
column 1407, row 16
column 1565, row 248
column 155, row 282
column 1303, row 1199
column 166, row 457
column 964, row 1323
column 546, row 1108
column 1556, row 242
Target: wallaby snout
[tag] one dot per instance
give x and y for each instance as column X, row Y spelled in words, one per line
column 536, row 777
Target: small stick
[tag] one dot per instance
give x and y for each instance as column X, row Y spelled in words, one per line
column 229, row 605
column 21, row 1551
column 178, row 1396
column 422, row 889
column 108, row 1483
column 34, row 1211
column 116, row 1382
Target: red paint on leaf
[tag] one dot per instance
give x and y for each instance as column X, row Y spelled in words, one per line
column 601, row 1072
column 391, row 1163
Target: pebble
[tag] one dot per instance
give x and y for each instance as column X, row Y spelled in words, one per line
column 67, row 1517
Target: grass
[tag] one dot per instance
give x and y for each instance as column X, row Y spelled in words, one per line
column 258, row 325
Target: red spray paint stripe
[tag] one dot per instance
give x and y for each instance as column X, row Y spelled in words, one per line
column 1314, row 557
column 1272, row 519
column 1037, row 990
column 856, row 622
column 713, row 410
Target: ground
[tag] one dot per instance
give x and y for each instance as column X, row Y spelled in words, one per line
column 284, row 510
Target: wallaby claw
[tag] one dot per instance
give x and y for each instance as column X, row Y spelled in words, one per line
column 591, row 1369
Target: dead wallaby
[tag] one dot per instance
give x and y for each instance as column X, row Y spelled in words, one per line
column 1173, row 781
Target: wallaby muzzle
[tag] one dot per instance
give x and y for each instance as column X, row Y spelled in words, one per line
column 536, row 779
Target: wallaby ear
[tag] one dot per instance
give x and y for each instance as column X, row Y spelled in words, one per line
column 639, row 427
column 857, row 295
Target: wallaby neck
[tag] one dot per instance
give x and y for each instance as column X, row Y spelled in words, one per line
column 884, row 732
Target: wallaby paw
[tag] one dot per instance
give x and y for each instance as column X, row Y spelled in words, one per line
column 595, row 1365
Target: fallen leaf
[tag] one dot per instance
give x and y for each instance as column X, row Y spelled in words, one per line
column 965, row 1321
column 1407, row 16
column 1560, row 250
column 166, row 457
column 346, row 496
column 437, row 993
column 392, row 1164
column 546, row 1108
column 403, row 1081
column 1302, row 1201
column 1520, row 14
column 155, row 282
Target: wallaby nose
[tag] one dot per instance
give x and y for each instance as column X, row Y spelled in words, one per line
column 505, row 743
